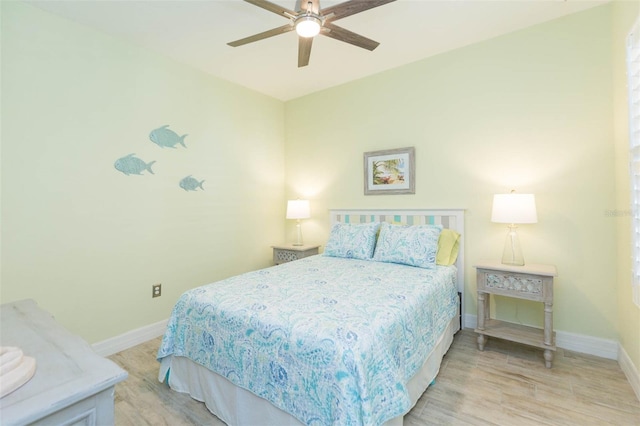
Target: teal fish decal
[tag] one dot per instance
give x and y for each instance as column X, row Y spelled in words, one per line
column 130, row 165
column 191, row 184
column 166, row 138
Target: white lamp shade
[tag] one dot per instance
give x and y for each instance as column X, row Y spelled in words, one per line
column 298, row 209
column 514, row 208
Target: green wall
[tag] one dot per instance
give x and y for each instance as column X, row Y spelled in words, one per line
column 540, row 110
column 530, row 111
column 624, row 15
column 85, row 240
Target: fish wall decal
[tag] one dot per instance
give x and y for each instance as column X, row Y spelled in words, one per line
column 191, row 184
column 166, row 138
column 131, row 165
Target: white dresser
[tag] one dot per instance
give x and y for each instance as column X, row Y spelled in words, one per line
column 71, row 386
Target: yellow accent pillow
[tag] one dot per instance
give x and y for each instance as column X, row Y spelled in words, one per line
column 448, row 246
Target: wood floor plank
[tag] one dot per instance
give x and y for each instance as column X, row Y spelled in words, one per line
column 507, row 384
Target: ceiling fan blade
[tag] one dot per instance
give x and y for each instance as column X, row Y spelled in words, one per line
column 272, row 7
column 304, row 50
column 339, row 33
column 352, row 7
column 274, row 32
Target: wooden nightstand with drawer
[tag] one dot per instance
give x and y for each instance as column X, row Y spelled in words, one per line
column 288, row 252
column 530, row 282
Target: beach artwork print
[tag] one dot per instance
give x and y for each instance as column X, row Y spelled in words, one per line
column 389, row 171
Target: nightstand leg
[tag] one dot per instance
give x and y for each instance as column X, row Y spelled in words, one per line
column 548, row 323
column 548, row 358
column 482, row 339
column 548, row 333
column 482, row 316
column 481, row 306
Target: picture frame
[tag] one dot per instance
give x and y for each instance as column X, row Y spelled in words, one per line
column 390, row 171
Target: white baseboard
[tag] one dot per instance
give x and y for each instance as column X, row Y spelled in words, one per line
column 629, row 370
column 129, row 339
column 470, row 321
column 603, row 348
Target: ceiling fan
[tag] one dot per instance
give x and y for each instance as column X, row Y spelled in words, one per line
column 310, row 21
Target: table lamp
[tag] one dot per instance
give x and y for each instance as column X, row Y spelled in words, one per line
column 513, row 209
column 298, row 209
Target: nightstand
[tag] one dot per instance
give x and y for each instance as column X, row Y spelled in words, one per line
column 289, row 252
column 530, row 282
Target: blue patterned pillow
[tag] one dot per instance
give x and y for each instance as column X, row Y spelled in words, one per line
column 356, row 241
column 415, row 245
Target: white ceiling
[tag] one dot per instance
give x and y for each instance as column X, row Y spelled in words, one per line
column 196, row 33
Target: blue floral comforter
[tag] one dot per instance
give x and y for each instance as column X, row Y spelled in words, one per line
column 328, row 340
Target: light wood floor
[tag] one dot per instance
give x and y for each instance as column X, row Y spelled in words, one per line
column 506, row 384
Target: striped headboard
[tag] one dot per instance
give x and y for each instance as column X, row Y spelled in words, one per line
column 448, row 218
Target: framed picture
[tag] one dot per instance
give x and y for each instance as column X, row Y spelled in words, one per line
column 391, row 171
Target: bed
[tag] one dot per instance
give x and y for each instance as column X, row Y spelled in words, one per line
column 351, row 336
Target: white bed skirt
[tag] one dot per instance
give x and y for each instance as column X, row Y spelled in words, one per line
column 239, row 407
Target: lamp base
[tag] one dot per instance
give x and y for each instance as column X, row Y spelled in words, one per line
column 512, row 253
column 298, row 234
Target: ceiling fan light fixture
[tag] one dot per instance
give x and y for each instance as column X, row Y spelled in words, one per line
column 308, row 26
